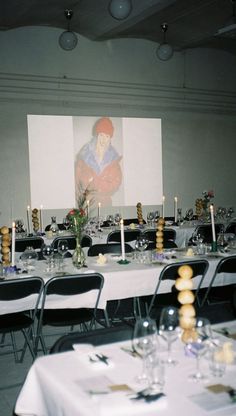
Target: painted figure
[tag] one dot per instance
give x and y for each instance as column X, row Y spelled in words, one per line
column 98, row 164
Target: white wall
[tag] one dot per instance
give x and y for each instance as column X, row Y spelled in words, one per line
column 194, row 94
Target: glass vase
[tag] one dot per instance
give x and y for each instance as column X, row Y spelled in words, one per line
column 78, row 257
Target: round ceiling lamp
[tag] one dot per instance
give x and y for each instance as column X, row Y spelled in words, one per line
column 120, row 9
column 164, row 50
column 68, row 40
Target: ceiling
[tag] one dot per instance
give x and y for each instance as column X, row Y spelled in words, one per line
column 191, row 23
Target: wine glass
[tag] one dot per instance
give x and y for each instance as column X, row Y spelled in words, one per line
column 150, row 218
column 144, row 341
column 169, row 329
column 141, row 244
column 62, row 249
column 110, row 220
column 48, row 252
column 66, row 223
column 117, row 218
column 199, row 345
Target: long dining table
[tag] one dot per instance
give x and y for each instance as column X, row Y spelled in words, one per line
column 73, row 384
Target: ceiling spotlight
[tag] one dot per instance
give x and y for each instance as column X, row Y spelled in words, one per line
column 164, row 50
column 68, row 40
column 120, row 9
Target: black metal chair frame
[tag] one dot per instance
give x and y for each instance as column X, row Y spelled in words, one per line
column 106, row 248
column 85, row 242
column 24, row 320
column 205, row 230
column 22, row 243
column 169, row 237
column 96, row 337
column 225, row 265
column 170, row 272
column 68, row 286
column 231, row 228
column 129, row 235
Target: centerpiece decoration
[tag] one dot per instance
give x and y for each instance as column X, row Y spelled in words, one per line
column 78, row 219
column 139, row 213
column 203, row 204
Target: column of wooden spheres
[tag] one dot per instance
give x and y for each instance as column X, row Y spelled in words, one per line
column 160, row 235
column 198, row 206
column 139, row 213
column 5, row 246
column 187, row 313
column 35, row 219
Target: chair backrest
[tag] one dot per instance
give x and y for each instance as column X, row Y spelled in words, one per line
column 225, row 265
column 170, row 272
column 61, row 227
column 231, row 228
column 86, row 241
column 22, row 243
column 205, row 230
column 128, row 221
column 95, row 337
column 21, row 292
column 169, row 236
column 129, row 235
column 96, row 249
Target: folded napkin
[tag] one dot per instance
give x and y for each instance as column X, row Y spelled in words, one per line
column 92, row 357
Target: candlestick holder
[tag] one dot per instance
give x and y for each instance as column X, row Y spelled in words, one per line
column 124, row 262
column 214, row 246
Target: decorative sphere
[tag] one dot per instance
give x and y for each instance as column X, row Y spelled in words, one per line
column 68, row 40
column 120, row 9
column 165, row 52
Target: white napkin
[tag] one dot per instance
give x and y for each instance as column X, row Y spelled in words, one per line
column 89, row 356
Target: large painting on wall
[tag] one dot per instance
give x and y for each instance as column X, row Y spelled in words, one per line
column 119, row 160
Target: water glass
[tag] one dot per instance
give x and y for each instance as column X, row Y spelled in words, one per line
column 217, row 366
column 155, row 373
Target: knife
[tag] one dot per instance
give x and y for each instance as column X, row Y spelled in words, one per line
column 102, row 358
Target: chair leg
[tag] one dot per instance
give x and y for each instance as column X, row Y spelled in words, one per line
column 13, row 340
column 28, row 343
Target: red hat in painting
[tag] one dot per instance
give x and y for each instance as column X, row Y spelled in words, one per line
column 104, row 125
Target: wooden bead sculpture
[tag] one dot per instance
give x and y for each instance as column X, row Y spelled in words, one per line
column 198, row 206
column 5, row 246
column 160, row 235
column 35, row 219
column 187, row 314
column 139, row 213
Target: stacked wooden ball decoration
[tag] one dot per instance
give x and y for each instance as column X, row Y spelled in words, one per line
column 35, row 219
column 139, row 213
column 5, row 246
column 187, row 314
column 160, row 235
column 198, row 206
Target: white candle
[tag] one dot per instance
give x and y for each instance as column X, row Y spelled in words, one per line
column 41, row 218
column 28, row 218
column 13, row 243
column 122, row 238
column 99, row 208
column 163, row 206
column 213, row 223
column 176, row 208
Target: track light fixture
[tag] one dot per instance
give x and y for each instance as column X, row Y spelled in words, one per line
column 68, row 40
column 164, row 50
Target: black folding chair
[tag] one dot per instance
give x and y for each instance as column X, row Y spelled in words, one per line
column 22, row 243
column 25, row 293
column 64, row 287
column 96, row 337
column 205, row 231
column 170, row 272
column 129, row 235
column 231, row 228
column 105, row 248
column 169, row 236
column 221, row 294
column 71, row 240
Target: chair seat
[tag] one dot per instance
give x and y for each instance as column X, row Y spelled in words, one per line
column 14, row 322
column 65, row 317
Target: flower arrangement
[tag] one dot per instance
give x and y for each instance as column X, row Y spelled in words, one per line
column 202, row 204
column 78, row 217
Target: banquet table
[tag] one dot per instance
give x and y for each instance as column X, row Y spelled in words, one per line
column 121, row 281
column 69, row 384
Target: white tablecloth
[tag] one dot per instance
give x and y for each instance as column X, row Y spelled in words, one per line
column 56, row 385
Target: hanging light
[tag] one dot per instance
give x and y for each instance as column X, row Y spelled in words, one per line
column 120, row 9
column 164, row 50
column 68, row 40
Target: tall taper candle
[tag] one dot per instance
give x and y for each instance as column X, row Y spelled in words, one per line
column 176, row 208
column 41, row 218
column 163, row 206
column 28, row 218
column 213, row 223
column 122, row 238
column 13, row 243
column 99, row 209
